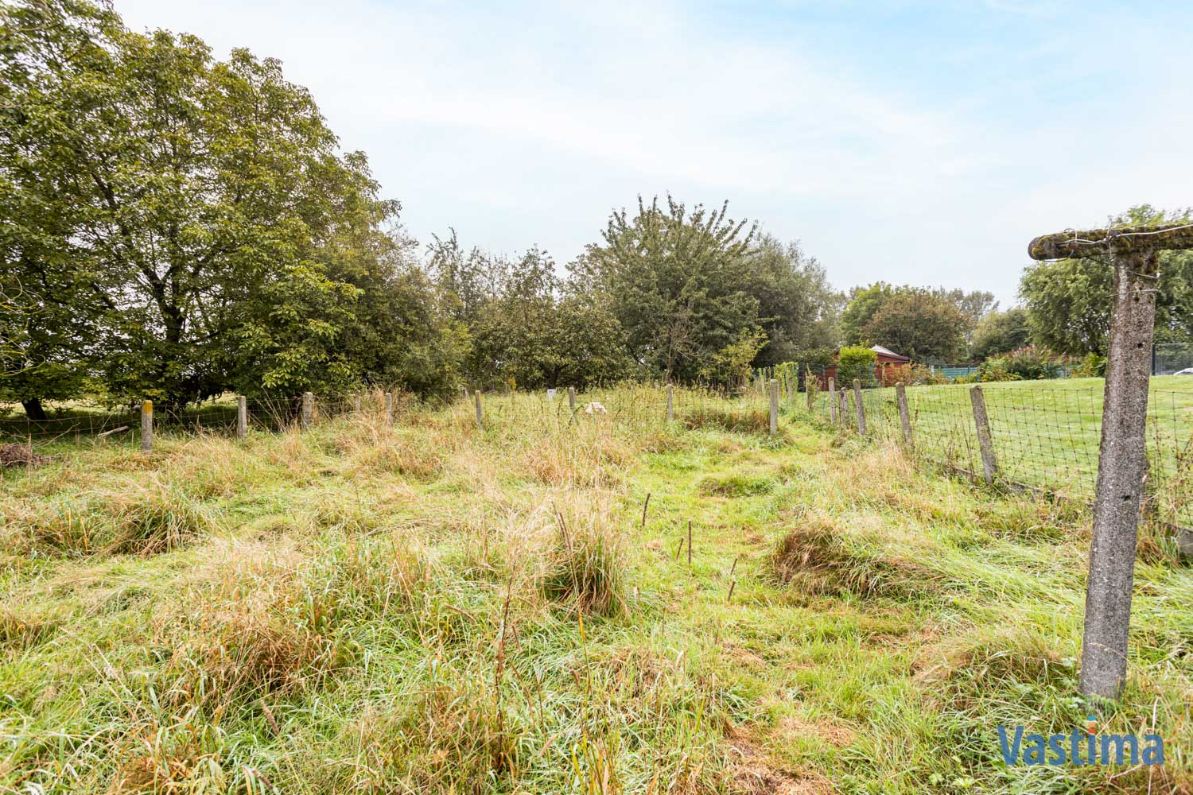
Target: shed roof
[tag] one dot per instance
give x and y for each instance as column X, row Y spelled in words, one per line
column 887, row 352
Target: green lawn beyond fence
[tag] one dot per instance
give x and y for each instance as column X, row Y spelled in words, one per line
column 1045, row 433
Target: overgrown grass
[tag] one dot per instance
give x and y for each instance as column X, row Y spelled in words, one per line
column 556, row 603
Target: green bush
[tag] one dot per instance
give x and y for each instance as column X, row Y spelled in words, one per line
column 856, row 362
column 1029, row 363
column 1092, row 366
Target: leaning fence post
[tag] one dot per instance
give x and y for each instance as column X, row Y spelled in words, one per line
column 308, row 409
column 985, row 442
column 774, row 406
column 242, row 417
column 832, row 400
column 670, row 403
column 904, row 414
column 146, row 426
column 859, row 406
column 572, row 399
column 480, row 411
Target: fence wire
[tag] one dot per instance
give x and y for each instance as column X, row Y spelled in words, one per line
column 1045, row 437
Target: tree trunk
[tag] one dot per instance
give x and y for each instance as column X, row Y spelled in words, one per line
column 34, row 410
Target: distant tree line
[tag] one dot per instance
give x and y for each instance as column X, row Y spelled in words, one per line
column 175, row 226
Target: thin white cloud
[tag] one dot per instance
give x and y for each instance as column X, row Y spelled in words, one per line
column 526, row 123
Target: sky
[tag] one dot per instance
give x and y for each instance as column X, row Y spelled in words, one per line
column 912, row 142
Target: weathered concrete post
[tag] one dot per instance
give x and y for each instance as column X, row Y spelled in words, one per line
column 308, row 409
column 670, row 403
column 572, row 399
column 832, row 401
column 774, row 406
column 146, row 426
column 904, row 414
column 242, row 417
column 1122, row 460
column 985, row 441
column 859, row 406
column 480, row 411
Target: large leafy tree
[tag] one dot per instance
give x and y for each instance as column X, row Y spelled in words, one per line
column 921, row 324
column 796, row 306
column 1069, row 300
column 199, row 213
column 677, row 282
column 1000, row 332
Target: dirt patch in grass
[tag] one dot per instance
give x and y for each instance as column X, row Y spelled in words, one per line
column 820, row 557
column 751, row 773
column 20, row 455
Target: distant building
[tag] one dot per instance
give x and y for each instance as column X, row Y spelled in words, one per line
column 887, row 369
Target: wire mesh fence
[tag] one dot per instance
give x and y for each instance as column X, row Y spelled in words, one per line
column 1045, row 436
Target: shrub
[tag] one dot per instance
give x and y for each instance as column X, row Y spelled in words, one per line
column 1028, row 363
column 1092, row 366
column 856, row 362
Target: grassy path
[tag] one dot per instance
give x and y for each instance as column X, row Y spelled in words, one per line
column 435, row 609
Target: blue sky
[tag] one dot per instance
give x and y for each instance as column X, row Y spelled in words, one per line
column 916, row 142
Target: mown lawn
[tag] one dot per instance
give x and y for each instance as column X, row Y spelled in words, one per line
column 1046, row 433
column 435, row 608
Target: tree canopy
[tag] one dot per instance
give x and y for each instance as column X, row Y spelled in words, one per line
column 1069, row 300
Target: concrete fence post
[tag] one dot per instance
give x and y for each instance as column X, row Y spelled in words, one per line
column 242, row 417
column 985, row 441
column 308, row 409
column 904, row 414
column 1122, row 468
column 832, row 400
column 146, row 426
column 480, row 411
column 670, row 403
column 572, row 399
column 811, row 387
column 774, row 407
column 859, row 407
column 389, row 408
column 356, row 403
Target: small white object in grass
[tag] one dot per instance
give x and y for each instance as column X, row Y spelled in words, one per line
column 550, row 394
column 595, row 408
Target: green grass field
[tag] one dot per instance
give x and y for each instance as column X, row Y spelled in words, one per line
column 435, row 608
column 1046, row 433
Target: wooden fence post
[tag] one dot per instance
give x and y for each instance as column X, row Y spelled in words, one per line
column 572, row 399
column 859, row 406
column 811, row 387
column 242, row 417
column 843, row 399
column 308, row 409
column 832, row 400
column 356, row 403
column 389, row 408
column 480, row 411
column 985, row 441
column 146, row 426
column 904, row 414
column 670, row 403
column 774, row 407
